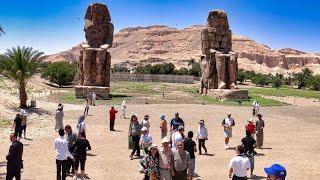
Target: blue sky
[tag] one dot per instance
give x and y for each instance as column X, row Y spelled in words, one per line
column 55, row 25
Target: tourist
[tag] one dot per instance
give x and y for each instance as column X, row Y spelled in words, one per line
column 181, row 159
column 259, row 131
column 134, row 133
column 249, row 144
column 255, row 108
column 59, row 118
column 145, row 122
column 202, row 136
column 94, row 97
column 176, row 122
column 251, row 127
column 145, row 140
column 163, row 126
column 227, row 124
column 86, row 107
column 176, row 137
column 89, row 98
column 276, row 172
column 23, row 114
column 14, row 158
column 190, row 146
column 17, row 126
column 71, row 137
column 81, row 125
column 166, row 160
column 239, row 165
column 123, row 109
column 150, row 164
column 62, row 154
column 112, row 115
column 80, row 147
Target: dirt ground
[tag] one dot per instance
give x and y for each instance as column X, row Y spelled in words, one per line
column 291, row 139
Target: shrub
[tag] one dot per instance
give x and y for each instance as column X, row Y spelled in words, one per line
column 276, row 82
column 61, row 73
column 260, row 80
column 302, row 78
column 314, row 83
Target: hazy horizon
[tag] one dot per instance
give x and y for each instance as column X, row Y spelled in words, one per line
column 54, row 26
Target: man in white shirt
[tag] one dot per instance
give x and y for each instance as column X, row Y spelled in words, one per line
column 239, row 165
column 62, row 153
column 227, row 124
column 176, row 137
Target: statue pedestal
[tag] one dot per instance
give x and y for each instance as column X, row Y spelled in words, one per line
column 228, row 94
column 83, row 91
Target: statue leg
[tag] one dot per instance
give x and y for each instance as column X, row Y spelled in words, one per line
column 88, row 56
column 221, row 70
column 80, row 69
column 233, row 70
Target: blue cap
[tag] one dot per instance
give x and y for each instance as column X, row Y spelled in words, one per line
column 276, row 170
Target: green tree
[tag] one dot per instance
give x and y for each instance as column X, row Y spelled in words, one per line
column 61, row 73
column 20, row 64
column 314, row 83
column 303, row 77
column 260, row 80
column 242, row 76
column 276, row 81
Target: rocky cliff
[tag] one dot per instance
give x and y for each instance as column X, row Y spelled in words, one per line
column 156, row 44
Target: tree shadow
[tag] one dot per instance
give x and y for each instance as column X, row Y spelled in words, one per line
column 257, row 177
column 265, row 148
column 111, row 96
column 208, row 154
column 90, row 154
column 3, row 163
column 260, row 154
column 38, row 111
column 232, row 148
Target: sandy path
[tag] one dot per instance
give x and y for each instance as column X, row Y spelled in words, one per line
column 291, row 138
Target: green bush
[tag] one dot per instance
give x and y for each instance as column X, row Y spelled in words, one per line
column 242, row 76
column 119, row 68
column 302, row 78
column 276, row 82
column 61, row 73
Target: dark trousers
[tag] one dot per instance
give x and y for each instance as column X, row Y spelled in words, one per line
column 201, row 143
column 70, row 164
column 61, row 169
column 86, row 111
column 180, row 175
column 13, row 172
column 238, row 178
column 111, row 124
column 136, row 147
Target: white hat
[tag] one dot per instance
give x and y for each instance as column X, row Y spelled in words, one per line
column 144, row 129
column 250, row 120
column 152, row 146
column 165, row 140
column 228, row 113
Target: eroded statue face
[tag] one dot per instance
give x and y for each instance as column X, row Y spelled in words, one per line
column 217, row 18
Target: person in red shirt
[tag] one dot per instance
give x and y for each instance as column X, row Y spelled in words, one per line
column 251, row 127
column 112, row 115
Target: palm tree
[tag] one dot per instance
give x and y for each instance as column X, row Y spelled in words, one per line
column 1, row 31
column 19, row 64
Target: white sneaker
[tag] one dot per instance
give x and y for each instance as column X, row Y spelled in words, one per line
column 226, row 147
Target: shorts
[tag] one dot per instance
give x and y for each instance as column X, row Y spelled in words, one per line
column 251, row 159
column 23, row 128
column 228, row 132
column 82, row 164
column 18, row 132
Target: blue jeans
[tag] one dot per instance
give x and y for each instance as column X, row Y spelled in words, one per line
column 193, row 166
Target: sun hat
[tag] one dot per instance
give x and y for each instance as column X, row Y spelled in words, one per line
column 146, row 116
column 250, row 120
column 201, row 121
column 152, row 146
column 144, row 129
column 260, row 115
column 276, row 170
column 165, row 140
column 228, row 113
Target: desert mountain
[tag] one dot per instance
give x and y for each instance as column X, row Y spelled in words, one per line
column 156, row 44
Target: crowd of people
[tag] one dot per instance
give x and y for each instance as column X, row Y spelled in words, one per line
column 175, row 159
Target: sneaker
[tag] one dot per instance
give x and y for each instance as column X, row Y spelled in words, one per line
column 226, row 147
